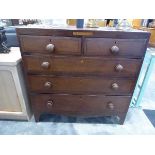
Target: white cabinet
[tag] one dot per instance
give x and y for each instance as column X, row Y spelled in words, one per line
column 14, row 103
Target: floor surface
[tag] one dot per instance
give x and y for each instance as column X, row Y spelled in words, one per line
column 150, row 115
column 136, row 123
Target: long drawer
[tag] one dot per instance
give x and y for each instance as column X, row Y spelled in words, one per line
column 80, row 85
column 114, row 47
column 119, row 67
column 80, row 105
column 50, row 44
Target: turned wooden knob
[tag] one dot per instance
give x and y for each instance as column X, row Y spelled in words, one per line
column 115, row 49
column 50, row 47
column 110, row 105
column 49, row 104
column 115, row 86
column 48, row 84
column 119, row 68
column 45, row 65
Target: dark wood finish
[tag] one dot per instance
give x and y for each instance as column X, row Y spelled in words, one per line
column 83, row 65
column 43, row 44
column 76, row 85
column 114, row 47
column 95, row 32
column 81, row 72
column 83, row 105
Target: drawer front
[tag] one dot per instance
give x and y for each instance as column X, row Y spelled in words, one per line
column 50, row 44
column 84, row 105
column 117, row 67
column 115, row 47
column 79, row 85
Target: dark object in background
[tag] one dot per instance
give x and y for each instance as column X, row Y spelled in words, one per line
column 146, row 22
column 108, row 21
column 79, row 23
column 23, row 21
column 115, row 22
column 149, row 21
column 152, row 24
column 3, row 41
column 15, row 21
column 11, row 36
column 29, row 21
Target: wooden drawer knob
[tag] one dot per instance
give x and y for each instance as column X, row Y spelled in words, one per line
column 50, row 47
column 115, row 86
column 119, row 68
column 49, row 104
column 115, row 49
column 48, row 84
column 45, row 65
column 110, row 105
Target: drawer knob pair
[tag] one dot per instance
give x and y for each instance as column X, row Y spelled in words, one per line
column 49, row 104
column 48, row 84
column 115, row 49
column 115, row 86
column 119, row 68
column 45, row 65
column 50, row 47
column 110, row 105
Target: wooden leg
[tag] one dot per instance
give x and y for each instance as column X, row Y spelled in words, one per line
column 37, row 116
column 122, row 118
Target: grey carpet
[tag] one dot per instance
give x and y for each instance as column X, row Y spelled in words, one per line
column 150, row 115
column 136, row 122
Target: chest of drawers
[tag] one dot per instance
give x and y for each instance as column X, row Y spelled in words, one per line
column 81, row 72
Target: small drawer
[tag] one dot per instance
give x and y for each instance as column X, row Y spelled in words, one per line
column 50, row 44
column 78, row 85
column 115, row 47
column 80, row 105
column 117, row 67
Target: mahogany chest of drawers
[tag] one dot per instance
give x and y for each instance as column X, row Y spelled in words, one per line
column 81, row 72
